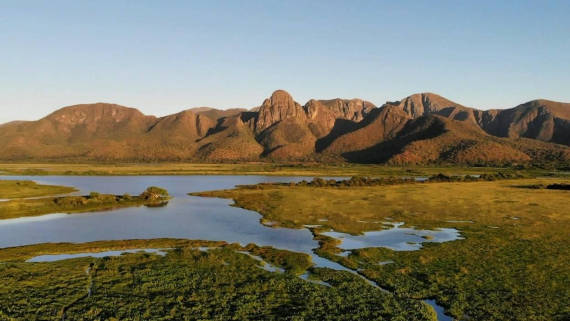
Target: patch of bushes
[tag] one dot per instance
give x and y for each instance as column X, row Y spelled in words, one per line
column 469, row 178
column 368, row 181
column 154, row 193
column 560, row 186
column 355, row 181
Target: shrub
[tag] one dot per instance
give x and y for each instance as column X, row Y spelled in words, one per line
column 70, row 201
column 154, row 193
column 561, row 186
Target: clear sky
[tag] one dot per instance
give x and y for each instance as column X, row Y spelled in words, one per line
column 165, row 56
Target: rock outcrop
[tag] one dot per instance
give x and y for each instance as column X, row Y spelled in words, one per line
column 278, row 107
column 323, row 114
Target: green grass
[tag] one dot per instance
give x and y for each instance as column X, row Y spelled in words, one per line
column 292, row 169
column 22, row 189
column 517, row 271
column 186, row 284
column 153, row 196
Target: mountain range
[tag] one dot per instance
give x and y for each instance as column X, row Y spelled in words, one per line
column 420, row 129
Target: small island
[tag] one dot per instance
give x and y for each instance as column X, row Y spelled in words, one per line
column 152, row 196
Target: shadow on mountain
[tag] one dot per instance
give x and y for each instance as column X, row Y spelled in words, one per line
column 248, row 115
column 425, row 127
column 214, row 130
column 344, row 126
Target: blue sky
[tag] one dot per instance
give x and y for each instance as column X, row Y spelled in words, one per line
column 165, row 56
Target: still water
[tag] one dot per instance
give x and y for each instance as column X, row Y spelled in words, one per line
column 187, row 217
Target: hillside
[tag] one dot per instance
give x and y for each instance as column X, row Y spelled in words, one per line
column 419, row 129
column 540, row 119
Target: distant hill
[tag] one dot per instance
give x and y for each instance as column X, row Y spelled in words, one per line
column 419, row 129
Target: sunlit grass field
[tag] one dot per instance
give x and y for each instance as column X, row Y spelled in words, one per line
column 419, row 204
column 23, row 189
column 511, row 264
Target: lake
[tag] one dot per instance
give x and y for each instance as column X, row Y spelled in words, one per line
column 186, row 217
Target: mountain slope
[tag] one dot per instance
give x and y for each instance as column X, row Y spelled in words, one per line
column 216, row 114
column 432, row 138
column 418, row 105
column 538, row 119
column 75, row 131
column 231, row 139
column 382, row 124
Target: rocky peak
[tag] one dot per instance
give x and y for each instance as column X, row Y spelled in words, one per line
column 278, row 107
column 425, row 103
column 350, row 109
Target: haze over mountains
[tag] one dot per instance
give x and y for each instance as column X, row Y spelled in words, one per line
column 420, row 129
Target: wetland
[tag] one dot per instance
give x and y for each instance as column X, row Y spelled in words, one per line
column 441, row 257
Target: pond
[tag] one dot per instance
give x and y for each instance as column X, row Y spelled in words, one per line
column 396, row 238
column 59, row 257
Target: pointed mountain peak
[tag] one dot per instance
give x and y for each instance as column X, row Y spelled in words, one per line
column 281, row 94
column 278, row 107
column 279, row 99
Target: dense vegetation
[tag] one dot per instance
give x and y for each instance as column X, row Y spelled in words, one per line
column 152, row 196
column 21, row 189
column 511, row 264
column 188, row 284
column 379, row 181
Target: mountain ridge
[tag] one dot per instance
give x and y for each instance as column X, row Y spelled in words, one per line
column 419, row 129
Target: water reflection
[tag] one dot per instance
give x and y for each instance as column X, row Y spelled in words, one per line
column 395, row 238
column 59, row 257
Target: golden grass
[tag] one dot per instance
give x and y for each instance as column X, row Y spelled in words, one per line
column 421, row 204
column 22, row 189
column 511, row 264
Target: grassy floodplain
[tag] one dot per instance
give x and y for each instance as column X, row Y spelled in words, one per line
column 79, row 204
column 292, row 169
column 511, row 264
column 23, row 189
column 186, row 284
